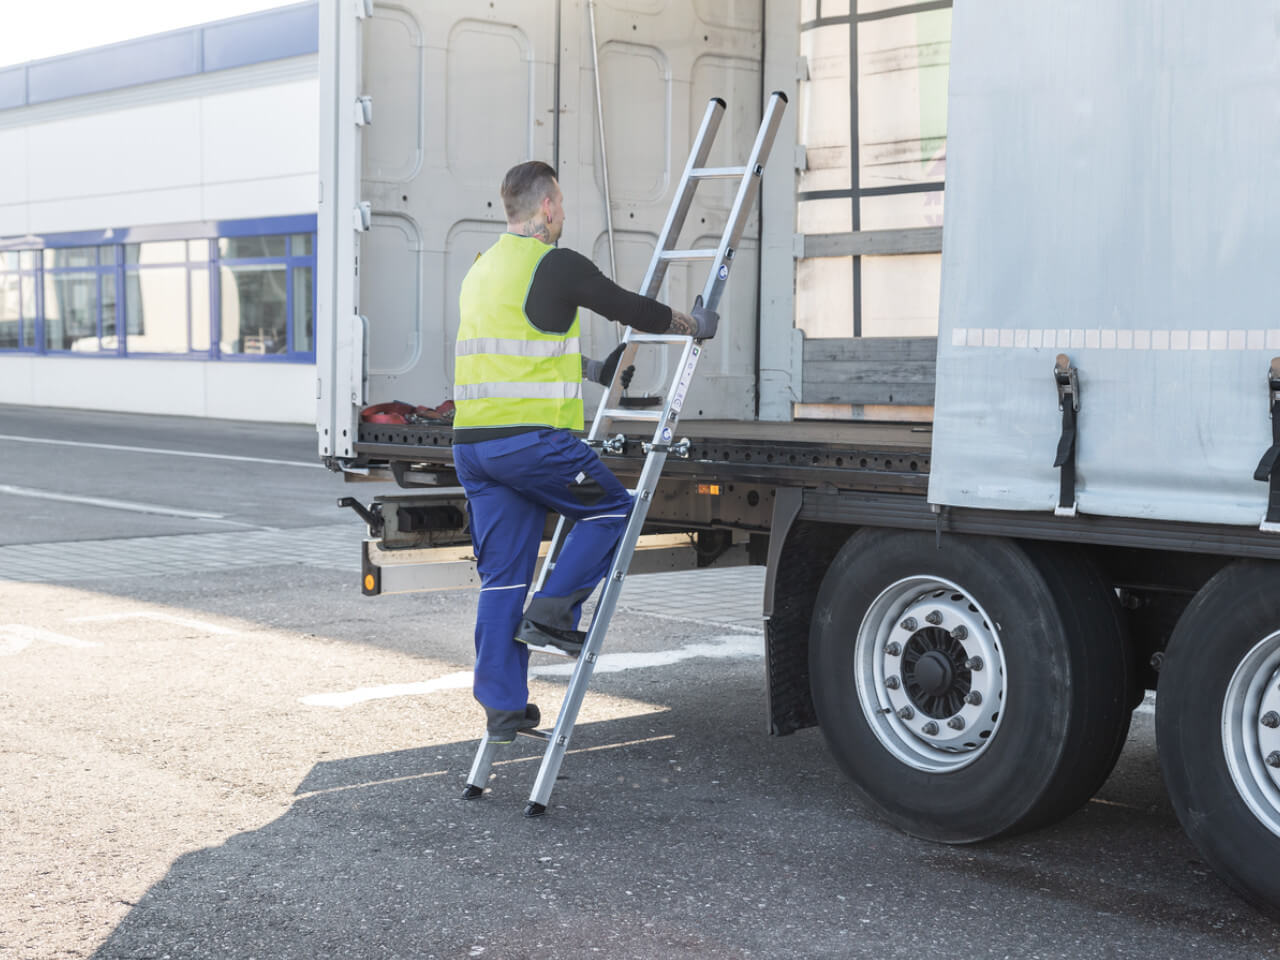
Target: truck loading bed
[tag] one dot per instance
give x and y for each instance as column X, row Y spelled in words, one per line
column 879, row 457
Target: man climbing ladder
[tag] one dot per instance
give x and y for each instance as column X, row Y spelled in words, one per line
column 518, row 391
column 526, row 384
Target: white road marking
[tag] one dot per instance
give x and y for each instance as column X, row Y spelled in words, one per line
column 1148, row 704
column 111, row 504
column 16, row 637
column 201, row 625
column 349, row 698
column 168, row 453
column 721, row 648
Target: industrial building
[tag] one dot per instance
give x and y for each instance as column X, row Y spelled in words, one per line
column 158, row 202
column 157, row 223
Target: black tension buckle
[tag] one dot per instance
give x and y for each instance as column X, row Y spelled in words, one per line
column 1068, row 381
column 1269, row 465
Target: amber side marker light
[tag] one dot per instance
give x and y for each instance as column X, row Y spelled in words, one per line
column 713, row 489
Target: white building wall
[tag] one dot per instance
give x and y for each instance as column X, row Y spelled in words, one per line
column 239, row 143
column 235, row 144
column 230, row 390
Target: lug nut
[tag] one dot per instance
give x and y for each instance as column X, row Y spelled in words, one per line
column 973, row 697
column 893, row 683
column 893, row 649
column 1271, row 719
column 930, row 728
column 906, row 713
column 910, row 624
column 1273, row 758
column 973, row 663
column 956, row 723
column 959, row 633
column 934, row 617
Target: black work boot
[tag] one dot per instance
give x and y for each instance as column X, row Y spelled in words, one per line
column 502, row 725
column 565, row 643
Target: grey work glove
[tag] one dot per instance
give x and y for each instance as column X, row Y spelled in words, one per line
column 602, row 371
column 706, row 321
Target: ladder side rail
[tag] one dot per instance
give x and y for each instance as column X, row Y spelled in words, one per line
column 665, row 421
column 553, row 553
column 479, row 775
column 743, row 202
column 657, row 269
column 584, row 666
column 603, row 616
column 684, row 196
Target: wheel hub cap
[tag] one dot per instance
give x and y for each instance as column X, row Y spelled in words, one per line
column 931, row 674
column 936, row 681
column 1250, row 742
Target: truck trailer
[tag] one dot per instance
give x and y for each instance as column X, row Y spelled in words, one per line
column 995, row 395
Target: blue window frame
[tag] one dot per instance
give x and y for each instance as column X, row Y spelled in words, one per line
column 19, row 299
column 266, row 285
column 79, row 309
column 234, row 290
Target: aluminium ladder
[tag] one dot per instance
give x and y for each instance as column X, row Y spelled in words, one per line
column 611, row 411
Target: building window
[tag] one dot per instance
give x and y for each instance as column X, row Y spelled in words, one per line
column 235, row 290
column 166, row 297
column 268, row 295
column 18, row 282
column 80, row 299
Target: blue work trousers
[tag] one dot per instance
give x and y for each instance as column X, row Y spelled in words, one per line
column 511, row 484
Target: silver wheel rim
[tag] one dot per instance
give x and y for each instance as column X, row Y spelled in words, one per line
column 930, row 674
column 1249, row 739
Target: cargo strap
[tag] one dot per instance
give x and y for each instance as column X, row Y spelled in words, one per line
column 1068, row 382
column 1269, row 466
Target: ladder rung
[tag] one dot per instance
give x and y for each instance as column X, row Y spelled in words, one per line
column 717, row 173
column 704, row 254
column 625, row 413
column 657, row 338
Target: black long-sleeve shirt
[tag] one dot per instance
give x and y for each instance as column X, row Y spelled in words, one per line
column 566, row 280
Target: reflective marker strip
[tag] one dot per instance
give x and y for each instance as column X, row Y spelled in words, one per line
column 514, row 586
column 517, row 391
column 517, row 348
column 1114, row 339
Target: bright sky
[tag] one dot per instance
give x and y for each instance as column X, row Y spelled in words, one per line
column 36, row 29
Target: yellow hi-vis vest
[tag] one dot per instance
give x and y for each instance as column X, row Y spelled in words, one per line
column 509, row 373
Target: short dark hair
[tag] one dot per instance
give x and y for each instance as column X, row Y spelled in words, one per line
column 524, row 186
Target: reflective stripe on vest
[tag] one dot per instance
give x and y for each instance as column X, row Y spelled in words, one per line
column 507, row 372
column 517, row 391
column 517, row 348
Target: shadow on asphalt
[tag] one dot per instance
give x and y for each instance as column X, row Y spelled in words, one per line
column 671, row 839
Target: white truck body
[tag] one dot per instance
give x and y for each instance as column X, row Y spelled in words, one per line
column 458, row 93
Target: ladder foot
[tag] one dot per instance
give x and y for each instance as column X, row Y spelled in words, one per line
column 535, row 809
column 472, row 792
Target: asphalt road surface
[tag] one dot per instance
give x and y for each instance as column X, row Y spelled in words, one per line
column 211, row 746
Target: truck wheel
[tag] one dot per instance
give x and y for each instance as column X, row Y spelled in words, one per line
column 969, row 689
column 1218, row 726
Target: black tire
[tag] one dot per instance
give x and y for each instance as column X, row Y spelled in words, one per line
column 1050, row 621
column 1106, row 658
column 1231, row 630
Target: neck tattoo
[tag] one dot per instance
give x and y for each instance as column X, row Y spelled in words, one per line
column 534, row 228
